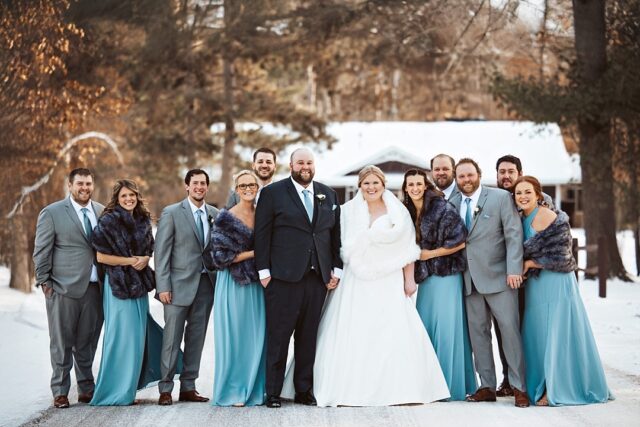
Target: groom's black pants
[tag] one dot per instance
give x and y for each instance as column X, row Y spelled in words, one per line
column 293, row 306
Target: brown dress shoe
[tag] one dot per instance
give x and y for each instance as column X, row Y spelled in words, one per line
column 484, row 394
column 191, row 396
column 85, row 397
column 61, row 402
column 165, row 399
column 522, row 400
column 505, row 389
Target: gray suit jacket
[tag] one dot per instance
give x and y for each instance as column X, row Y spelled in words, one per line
column 454, row 193
column 179, row 252
column 62, row 254
column 494, row 242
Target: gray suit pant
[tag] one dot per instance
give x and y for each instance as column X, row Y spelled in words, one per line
column 196, row 317
column 504, row 308
column 74, row 330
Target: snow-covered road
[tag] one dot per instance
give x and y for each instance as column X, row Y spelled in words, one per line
column 25, row 372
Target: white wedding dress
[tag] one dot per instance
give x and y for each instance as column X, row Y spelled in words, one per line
column 372, row 348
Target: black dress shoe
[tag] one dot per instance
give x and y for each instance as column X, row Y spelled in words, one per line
column 273, row 402
column 306, row 398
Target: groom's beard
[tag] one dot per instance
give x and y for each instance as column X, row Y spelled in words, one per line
column 302, row 179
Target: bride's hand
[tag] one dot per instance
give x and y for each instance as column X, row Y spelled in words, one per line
column 410, row 287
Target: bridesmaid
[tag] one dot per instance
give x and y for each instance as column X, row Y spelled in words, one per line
column 124, row 244
column 239, row 317
column 440, row 304
column 563, row 365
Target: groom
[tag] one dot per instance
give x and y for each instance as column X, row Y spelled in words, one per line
column 297, row 249
column 493, row 275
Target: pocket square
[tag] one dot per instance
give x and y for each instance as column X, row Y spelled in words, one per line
column 486, row 216
column 333, row 207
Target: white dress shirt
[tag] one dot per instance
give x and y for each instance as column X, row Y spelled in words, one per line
column 94, row 221
column 447, row 191
column 204, row 217
column 472, row 205
column 299, row 188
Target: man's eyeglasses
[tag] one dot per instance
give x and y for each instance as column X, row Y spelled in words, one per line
column 251, row 186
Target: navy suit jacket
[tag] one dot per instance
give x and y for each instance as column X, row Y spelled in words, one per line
column 285, row 239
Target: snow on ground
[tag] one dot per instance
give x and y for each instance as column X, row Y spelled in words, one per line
column 26, row 370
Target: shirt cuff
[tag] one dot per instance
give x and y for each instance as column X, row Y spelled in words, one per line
column 263, row 274
column 337, row 272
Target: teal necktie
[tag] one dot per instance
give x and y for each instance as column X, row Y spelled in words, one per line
column 307, row 203
column 88, row 229
column 467, row 215
column 200, row 226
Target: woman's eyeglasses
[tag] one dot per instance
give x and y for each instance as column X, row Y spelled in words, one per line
column 251, row 186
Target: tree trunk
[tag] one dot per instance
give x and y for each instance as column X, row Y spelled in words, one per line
column 19, row 261
column 228, row 74
column 595, row 135
column 228, row 152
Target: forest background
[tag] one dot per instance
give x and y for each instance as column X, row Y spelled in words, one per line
column 131, row 89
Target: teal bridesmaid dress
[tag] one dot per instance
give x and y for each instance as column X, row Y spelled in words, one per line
column 560, row 351
column 440, row 305
column 239, row 325
column 130, row 350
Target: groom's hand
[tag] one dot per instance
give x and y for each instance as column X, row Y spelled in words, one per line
column 333, row 282
column 265, row 282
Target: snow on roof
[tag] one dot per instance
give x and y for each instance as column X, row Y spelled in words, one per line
column 540, row 147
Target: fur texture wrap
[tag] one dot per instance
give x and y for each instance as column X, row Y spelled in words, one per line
column 441, row 226
column 551, row 247
column 121, row 234
column 373, row 252
column 229, row 237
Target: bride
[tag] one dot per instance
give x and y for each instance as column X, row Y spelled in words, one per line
column 372, row 348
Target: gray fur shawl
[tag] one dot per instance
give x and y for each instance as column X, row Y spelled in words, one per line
column 229, row 237
column 441, row 226
column 551, row 247
column 121, row 234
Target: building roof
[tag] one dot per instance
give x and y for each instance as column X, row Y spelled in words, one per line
column 540, row 147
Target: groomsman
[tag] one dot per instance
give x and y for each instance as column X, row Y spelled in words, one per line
column 297, row 248
column 184, row 286
column 264, row 166
column 442, row 167
column 494, row 266
column 66, row 272
column 508, row 170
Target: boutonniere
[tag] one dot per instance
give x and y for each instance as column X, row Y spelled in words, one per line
column 210, row 220
column 321, row 197
column 476, row 211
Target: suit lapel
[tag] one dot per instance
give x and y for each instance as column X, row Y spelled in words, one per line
column 481, row 201
column 74, row 218
column 96, row 210
column 316, row 205
column 186, row 210
column 210, row 213
column 296, row 200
